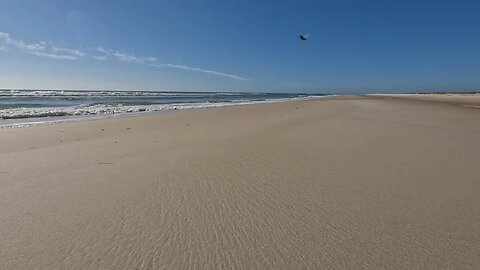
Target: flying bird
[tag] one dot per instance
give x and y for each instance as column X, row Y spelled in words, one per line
column 304, row 36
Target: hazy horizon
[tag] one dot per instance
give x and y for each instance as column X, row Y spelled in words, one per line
column 235, row 91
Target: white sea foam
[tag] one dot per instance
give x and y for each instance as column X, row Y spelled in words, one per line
column 22, row 117
column 85, row 93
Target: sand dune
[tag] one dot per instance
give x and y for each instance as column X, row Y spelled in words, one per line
column 340, row 183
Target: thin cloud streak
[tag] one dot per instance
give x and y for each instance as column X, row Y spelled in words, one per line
column 42, row 49
column 54, row 56
column 232, row 76
column 126, row 57
column 153, row 62
column 99, row 57
column 7, row 40
column 72, row 52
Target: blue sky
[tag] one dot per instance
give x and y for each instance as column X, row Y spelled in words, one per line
column 355, row 46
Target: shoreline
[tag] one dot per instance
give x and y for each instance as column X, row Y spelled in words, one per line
column 470, row 100
column 52, row 120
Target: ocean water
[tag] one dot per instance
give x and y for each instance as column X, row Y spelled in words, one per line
column 29, row 107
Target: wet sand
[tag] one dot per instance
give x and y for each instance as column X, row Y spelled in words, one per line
column 340, row 183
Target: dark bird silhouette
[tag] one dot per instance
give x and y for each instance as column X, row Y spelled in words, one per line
column 304, row 36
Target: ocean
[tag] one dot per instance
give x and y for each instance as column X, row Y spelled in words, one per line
column 34, row 107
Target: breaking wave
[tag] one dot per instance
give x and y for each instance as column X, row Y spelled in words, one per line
column 56, row 105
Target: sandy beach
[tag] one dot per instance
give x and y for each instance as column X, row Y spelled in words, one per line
column 468, row 100
column 336, row 183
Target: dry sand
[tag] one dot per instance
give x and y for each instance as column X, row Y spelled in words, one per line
column 342, row 183
column 472, row 100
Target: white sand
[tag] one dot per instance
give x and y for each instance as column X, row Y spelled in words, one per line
column 342, row 183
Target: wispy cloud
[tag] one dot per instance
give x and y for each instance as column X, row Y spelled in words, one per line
column 232, row 76
column 54, row 56
column 7, row 40
column 153, row 62
column 73, row 52
column 40, row 48
column 99, row 57
column 126, row 57
column 49, row 50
